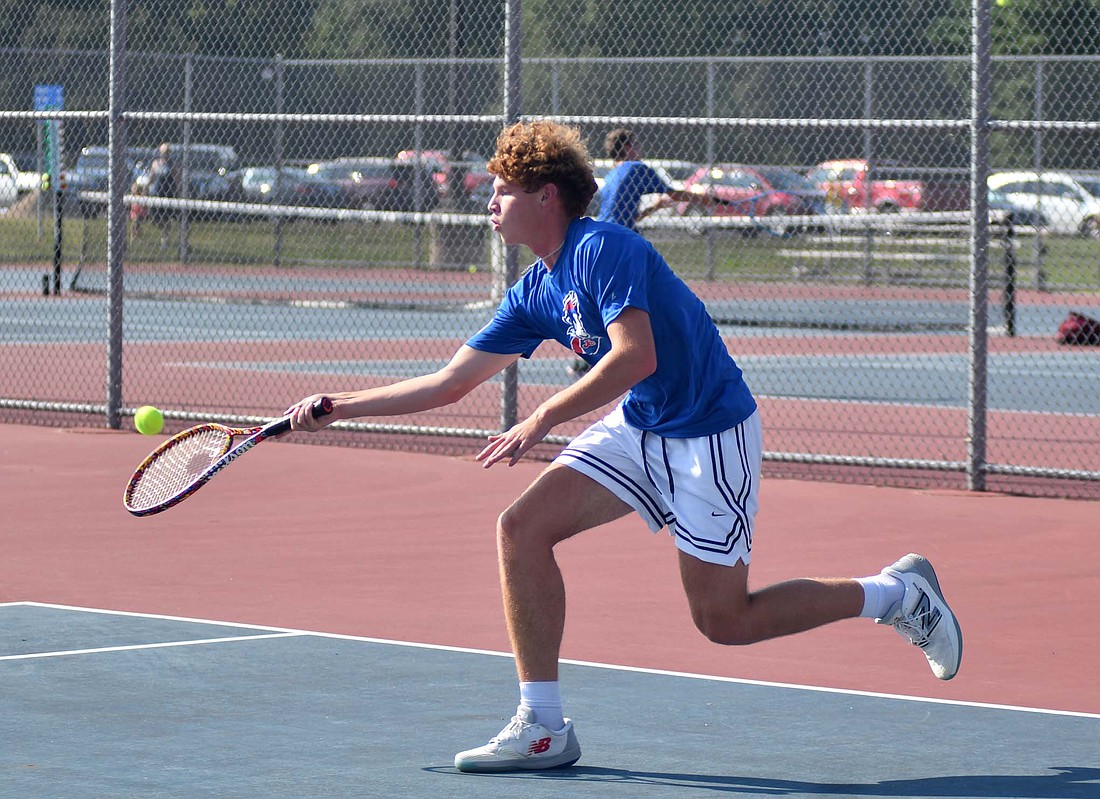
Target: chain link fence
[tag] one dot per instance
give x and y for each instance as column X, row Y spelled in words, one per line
column 220, row 209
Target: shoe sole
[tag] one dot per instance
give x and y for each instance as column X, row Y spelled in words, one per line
column 566, row 760
column 567, row 757
column 921, row 566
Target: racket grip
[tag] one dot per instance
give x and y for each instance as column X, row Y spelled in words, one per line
column 322, row 407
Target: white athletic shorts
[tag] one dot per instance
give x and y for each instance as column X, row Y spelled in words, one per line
column 703, row 489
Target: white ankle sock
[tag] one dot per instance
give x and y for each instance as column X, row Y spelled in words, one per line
column 545, row 699
column 880, row 591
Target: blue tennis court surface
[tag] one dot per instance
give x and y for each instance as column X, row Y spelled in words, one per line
column 228, row 316
column 103, row 704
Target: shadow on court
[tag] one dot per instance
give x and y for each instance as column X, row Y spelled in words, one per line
column 1063, row 783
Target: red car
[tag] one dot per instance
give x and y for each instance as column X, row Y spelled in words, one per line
column 757, row 191
column 846, row 185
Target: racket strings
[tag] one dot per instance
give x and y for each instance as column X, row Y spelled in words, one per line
column 177, row 467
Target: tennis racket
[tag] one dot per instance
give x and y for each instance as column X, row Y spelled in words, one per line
column 185, row 463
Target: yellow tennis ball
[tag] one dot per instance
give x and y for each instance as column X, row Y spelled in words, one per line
column 148, row 420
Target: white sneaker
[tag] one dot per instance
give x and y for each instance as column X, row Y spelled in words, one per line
column 523, row 745
column 923, row 618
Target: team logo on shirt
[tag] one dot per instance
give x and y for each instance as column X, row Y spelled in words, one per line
column 581, row 341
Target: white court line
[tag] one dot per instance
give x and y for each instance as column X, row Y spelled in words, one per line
column 290, row 632
column 161, row 645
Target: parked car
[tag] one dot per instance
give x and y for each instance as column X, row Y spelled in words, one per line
column 369, row 183
column 767, row 193
column 30, row 178
column 207, row 166
column 89, row 174
column 854, row 186
column 1062, row 200
column 383, row 184
column 476, row 180
column 417, row 189
column 373, row 182
column 324, row 182
column 9, row 181
column 1013, row 212
column 264, row 184
column 1089, row 182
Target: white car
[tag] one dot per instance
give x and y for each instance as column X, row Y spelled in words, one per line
column 30, row 179
column 1064, row 202
column 9, row 181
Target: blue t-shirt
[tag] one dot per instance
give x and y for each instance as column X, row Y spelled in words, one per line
column 697, row 389
column 623, row 189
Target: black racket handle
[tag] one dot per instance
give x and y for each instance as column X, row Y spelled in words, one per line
column 322, row 407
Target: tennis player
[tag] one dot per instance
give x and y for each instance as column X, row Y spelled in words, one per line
column 682, row 450
column 632, row 178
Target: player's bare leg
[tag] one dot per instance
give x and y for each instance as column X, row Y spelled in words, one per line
column 559, row 504
column 726, row 612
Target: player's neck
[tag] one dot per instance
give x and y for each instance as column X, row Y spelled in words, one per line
column 551, row 257
column 550, row 249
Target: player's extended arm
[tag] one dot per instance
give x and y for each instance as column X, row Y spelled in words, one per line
column 632, row 358
column 696, row 198
column 468, row 369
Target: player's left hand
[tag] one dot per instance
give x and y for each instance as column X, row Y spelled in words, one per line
column 513, row 444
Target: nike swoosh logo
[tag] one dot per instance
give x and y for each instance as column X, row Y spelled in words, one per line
column 716, row 513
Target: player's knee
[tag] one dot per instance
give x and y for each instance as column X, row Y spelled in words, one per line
column 510, row 528
column 517, row 532
column 724, row 627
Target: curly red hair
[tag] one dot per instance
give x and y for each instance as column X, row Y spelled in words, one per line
column 532, row 154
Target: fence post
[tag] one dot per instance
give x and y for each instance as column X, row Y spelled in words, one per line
column 979, row 241
column 555, row 87
column 185, row 162
column 708, row 230
column 1040, row 271
column 513, row 106
column 1008, row 297
column 118, row 182
column 868, row 156
column 280, row 222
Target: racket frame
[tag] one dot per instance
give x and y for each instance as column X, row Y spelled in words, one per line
column 272, row 429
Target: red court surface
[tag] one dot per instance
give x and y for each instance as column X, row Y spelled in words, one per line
column 400, row 546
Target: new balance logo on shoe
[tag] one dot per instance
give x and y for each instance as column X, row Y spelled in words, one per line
column 539, row 746
column 925, row 618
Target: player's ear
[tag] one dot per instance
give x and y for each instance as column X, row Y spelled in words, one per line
column 549, row 192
